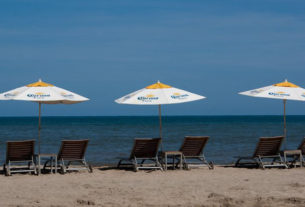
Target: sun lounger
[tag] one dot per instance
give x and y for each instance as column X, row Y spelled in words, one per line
column 20, row 157
column 302, row 146
column 296, row 155
column 145, row 149
column 268, row 148
column 72, row 152
column 192, row 150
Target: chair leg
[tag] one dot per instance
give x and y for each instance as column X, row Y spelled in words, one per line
column 119, row 164
column 63, row 167
column 90, row 169
column 5, row 170
column 29, row 166
column 211, row 165
column 88, row 166
column 158, row 164
column 135, row 165
column 45, row 164
column 185, row 165
column 35, row 168
column 237, row 162
column 260, row 162
column 282, row 162
column 8, row 169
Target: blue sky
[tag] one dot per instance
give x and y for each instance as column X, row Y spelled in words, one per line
column 106, row 49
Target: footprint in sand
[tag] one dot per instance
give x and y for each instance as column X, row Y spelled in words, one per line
column 85, row 202
column 296, row 185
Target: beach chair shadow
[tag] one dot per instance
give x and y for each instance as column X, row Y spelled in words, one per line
column 71, row 156
column 192, row 150
column 266, row 154
column 20, row 157
column 144, row 155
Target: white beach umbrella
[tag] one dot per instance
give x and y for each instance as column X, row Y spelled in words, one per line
column 285, row 91
column 42, row 93
column 158, row 94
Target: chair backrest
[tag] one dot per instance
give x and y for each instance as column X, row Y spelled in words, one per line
column 20, row 150
column 302, row 146
column 145, row 147
column 193, row 145
column 72, row 149
column 268, row 146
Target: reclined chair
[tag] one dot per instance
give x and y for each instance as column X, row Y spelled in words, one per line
column 268, row 148
column 296, row 155
column 143, row 150
column 302, row 147
column 72, row 151
column 20, row 157
column 192, row 150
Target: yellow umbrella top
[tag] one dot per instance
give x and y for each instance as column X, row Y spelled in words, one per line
column 158, row 85
column 39, row 84
column 286, row 84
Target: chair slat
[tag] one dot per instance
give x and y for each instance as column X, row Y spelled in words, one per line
column 145, row 147
column 73, row 149
column 268, row 146
column 193, row 145
column 20, row 150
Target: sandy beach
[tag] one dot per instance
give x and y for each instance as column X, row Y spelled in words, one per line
column 197, row 187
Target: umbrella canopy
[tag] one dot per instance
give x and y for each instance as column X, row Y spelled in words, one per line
column 284, row 90
column 159, row 94
column 42, row 93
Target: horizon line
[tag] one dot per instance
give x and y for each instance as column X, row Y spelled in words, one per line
column 145, row 115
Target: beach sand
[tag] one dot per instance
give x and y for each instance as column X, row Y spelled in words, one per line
column 197, row 187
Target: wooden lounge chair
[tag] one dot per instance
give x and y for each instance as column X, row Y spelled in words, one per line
column 296, row 155
column 72, row 151
column 302, row 147
column 20, row 157
column 267, row 148
column 192, row 150
column 145, row 149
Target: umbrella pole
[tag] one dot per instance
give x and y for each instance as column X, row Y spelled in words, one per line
column 160, row 122
column 285, row 129
column 39, row 127
column 160, row 126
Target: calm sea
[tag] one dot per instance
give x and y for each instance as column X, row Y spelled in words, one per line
column 112, row 137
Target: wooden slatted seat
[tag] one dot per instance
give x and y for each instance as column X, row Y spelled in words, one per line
column 20, row 153
column 144, row 149
column 72, row 151
column 192, row 150
column 267, row 148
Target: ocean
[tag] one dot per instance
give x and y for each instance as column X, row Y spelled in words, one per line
column 112, row 137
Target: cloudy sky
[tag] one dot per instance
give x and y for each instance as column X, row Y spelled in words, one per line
column 106, row 49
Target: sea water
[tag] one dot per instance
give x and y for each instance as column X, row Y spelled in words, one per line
column 112, row 137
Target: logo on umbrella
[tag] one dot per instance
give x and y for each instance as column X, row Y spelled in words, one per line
column 38, row 95
column 148, row 98
column 179, row 96
column 279, row 94
column 67, row 95
column 10, row 95
column 254, row 92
